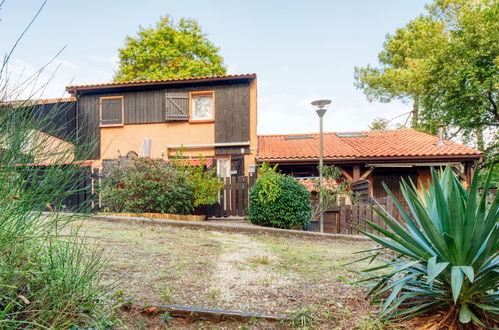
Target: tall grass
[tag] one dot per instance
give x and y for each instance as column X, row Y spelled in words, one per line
column 49, row 276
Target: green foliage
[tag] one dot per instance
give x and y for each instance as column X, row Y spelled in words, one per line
column 401, row 72
column 378, row 124
column 206, row 183
column 278, row 201
column 462, row 86
column 48, row 278
column 269, row 181
column 334, row 186
column 146, row 185
column 166, row 317
column 169, row 51
column 445, row 255
column 446, row 62
column 303, row 318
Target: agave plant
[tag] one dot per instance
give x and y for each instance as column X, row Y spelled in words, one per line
column 443, row 256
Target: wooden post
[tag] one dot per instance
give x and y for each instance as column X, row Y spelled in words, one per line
column 342, row 216
column 356, row 173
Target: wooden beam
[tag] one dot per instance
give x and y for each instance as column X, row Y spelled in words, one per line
column 356, row 173
column 461, row 174
column 367, row 173
column 345, row 174
column 469, row 170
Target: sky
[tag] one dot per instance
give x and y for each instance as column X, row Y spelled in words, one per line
column 300, row 50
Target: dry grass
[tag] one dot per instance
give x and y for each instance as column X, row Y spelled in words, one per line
column 158, row 264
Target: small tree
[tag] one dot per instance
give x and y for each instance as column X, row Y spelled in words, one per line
column 169, row 51
column 334, row 186
column 206, row 183
column 278, row 200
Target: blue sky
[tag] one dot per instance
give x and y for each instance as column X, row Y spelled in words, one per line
column 300, row 50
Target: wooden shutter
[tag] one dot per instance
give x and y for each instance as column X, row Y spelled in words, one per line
column 111, row 111
column 176, row 106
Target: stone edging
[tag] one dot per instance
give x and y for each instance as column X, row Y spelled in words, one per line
column 233, row 228
column 214, row 315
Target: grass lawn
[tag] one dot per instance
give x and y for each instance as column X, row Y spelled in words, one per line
column 303, row 278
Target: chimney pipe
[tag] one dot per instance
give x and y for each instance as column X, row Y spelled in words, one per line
column 441, row 141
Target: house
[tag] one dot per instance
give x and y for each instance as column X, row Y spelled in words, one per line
column 376, row 156
column 214, row 117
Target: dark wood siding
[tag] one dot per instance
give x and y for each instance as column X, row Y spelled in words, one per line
column 89, row 122
column 232, row 117
column 393, row 181
column 232, row 110
column 59, row 119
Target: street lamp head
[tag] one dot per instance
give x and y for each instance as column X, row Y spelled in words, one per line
column 321, row 106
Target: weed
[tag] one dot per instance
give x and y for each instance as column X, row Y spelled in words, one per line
column 303, row 317
column 328, row 315
column 213, row 293
column 167, row 295
column 259, row 259
column 166, row 317
column 369, row 322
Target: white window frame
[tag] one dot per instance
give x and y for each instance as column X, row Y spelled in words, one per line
column 228, row 164
column 192, row 113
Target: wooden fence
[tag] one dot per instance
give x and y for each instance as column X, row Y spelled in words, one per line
column 234, row 198
column 345, row 218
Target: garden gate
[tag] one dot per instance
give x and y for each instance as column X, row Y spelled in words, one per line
column 234, row 197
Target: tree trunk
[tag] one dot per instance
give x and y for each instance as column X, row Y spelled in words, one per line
column 415, row 112
column 479, row 139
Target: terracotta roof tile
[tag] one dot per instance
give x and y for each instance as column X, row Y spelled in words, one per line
column 369, row 144
column 26, row 103
column 160, row 81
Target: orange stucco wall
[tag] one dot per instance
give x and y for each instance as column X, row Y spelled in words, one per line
column 50, row 149
column 116, row 141
column 251, row 158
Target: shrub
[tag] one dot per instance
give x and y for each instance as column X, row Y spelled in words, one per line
column 278, row 201
column 444, row 257
column 206, row 183
column 334, row 186
column 146, row 185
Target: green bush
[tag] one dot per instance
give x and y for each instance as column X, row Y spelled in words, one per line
column 146, row 185
column 206, row 183
column 278, row 201
column 443, row 257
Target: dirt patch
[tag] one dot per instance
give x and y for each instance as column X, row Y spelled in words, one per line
column 304, row 278
column 243, row 270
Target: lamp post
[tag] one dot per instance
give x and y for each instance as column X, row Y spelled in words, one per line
column 321, row 108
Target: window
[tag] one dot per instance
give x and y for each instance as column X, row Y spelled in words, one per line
column 202, row 106
column 223, row 167
column 111, row 111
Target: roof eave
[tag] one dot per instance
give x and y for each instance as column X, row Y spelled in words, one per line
column 343, row 160
column 112, row 86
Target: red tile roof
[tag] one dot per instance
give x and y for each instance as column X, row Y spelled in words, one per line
column 161, row 81
column 402, row 143
column 26, row 103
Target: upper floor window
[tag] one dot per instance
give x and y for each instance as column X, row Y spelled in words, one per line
column 111, row 111
column 202, row 106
